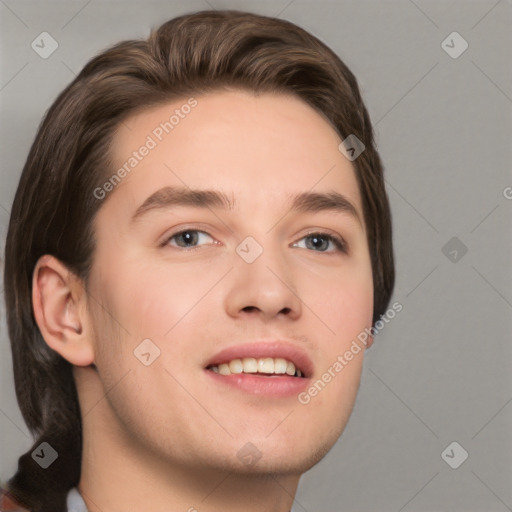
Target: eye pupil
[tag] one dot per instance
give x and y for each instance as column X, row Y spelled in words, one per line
column 188, row 237
column 318, row 242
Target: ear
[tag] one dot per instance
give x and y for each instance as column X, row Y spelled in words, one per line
column 369, row 341
column 60, row 310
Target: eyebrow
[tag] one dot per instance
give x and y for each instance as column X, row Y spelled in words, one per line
column 324, row 201
column 171, row 197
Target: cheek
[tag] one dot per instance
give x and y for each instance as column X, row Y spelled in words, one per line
column 345, row 305
column 149, row 300
column 345, row 313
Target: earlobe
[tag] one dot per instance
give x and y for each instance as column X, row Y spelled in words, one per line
column 59, row 300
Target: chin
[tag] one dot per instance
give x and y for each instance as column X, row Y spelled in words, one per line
column 295, row 462
column 273, row 458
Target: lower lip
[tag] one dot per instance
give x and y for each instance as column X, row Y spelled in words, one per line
column 275, row 386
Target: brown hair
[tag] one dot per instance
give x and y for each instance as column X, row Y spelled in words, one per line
column 54, row 206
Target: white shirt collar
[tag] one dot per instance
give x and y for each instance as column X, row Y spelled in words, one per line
column 75, row 502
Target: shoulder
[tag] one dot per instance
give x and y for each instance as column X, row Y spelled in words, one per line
column 8, row 503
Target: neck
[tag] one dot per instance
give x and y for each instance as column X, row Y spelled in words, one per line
column 120, row 473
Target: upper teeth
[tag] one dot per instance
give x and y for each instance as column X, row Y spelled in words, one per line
column 276, row 365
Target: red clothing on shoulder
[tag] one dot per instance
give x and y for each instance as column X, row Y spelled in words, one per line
column 9, row 504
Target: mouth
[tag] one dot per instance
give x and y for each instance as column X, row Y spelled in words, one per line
column 267, row 366
column 273, row 368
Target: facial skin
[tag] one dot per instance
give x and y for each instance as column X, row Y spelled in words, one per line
column 168, row 434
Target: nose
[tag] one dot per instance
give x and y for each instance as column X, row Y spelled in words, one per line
column 265, row 288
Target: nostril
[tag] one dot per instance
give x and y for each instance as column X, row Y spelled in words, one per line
column 250, row 308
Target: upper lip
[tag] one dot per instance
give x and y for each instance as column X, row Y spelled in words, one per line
column 262, row 349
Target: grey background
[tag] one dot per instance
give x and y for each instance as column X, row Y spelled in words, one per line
column 440, row 371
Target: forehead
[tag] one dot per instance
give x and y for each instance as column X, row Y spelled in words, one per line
column 245, row 144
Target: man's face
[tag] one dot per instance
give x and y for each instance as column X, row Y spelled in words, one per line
column 263, row 279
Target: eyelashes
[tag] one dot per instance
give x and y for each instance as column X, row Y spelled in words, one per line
column 187, row 236
column 317, row 237
column 189, row 239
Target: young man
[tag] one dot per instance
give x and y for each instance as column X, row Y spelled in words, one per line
column 200, row 233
